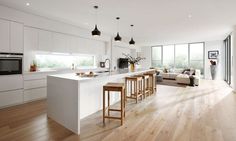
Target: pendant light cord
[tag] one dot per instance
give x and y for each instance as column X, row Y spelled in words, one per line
column 118, row 18
column 96, row 14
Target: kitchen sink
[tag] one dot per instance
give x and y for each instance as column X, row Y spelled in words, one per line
column 102, row 71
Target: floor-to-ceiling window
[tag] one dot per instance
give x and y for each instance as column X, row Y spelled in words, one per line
column 196, row 56
column 169, row 56
column 157, row 56
column 227, row 43
column 179, row 56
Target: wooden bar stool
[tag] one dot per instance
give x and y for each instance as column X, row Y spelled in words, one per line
column 146, row 85
column 114, row 87
column 133, row 86
column 152, row 81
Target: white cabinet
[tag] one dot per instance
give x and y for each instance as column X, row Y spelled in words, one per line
column 11, row 82
column 30, row 46
column 10, row 98
column 16, row 37
column 45, row 40
column 35, row 94
column 4, row 36
column 60, row 43
column 31, row 84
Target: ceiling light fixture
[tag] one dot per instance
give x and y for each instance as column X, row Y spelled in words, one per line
column 190, row 16
column 27, row 4
column 96, row 32
column 117, row 38
column 132, row 42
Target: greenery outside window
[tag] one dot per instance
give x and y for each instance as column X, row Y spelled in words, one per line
column 65, row 61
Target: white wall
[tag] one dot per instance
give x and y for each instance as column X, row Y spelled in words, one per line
column 215, row 45
column 146, row 52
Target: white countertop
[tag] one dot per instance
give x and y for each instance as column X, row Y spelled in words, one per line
column 119, row 73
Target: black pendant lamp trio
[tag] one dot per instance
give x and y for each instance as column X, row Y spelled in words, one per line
column 118, row 38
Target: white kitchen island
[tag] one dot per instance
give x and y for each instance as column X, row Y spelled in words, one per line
column 71, row 98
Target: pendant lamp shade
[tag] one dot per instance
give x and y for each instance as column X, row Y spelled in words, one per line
column 132, row 42
column 96, row 32
column 118, row 38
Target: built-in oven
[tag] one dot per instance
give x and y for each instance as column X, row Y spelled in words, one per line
column 10, row 63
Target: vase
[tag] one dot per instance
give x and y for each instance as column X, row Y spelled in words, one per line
column 132, row 67
column 213, row 72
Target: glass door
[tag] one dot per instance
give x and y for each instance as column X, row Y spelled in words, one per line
column 227, row 43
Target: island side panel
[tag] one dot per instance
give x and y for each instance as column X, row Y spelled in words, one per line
column 91, row 95
column 63, row 102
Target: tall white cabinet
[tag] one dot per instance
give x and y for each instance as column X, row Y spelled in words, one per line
column 4, row 36
column 11, row 36
column 16, row 37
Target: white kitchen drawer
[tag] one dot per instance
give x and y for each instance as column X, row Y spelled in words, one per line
column 36, row 76
column 10, row 98
column 11, row 82
column 35, row 94
column 30, row 84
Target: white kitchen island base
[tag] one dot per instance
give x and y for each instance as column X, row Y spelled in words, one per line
column 72, row 98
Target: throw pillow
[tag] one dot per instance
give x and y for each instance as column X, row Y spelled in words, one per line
column 187, row 72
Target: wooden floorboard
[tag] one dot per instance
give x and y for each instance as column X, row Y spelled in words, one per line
column 204, row 113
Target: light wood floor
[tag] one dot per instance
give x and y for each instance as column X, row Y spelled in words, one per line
column 204, row 113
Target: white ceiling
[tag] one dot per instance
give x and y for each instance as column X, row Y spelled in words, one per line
column 156, row 21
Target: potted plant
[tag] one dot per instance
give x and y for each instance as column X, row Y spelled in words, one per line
column 133, row 60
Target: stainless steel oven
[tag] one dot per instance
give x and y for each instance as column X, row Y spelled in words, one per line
column 10, row 63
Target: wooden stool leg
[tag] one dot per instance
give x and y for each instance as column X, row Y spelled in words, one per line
column 124, row 103
column 126, row 91
column 104, row 108
column 108, row 103
column 122, row 107
column 136, row 91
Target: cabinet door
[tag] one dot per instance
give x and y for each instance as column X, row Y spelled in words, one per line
column 30, row 46
column 16, row 37
column 10, row 98
column 60, row 43
column 45, row 40
column 35, row 94
column 4, row 36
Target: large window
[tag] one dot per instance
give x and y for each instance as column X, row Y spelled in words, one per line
column 169, row 56
column 65, row 61
column 181, row 56
column 157, row 56
column 197, row 56
column 189, row 55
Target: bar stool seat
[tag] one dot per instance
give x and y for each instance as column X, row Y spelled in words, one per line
column 114, row 87
column 133, row 86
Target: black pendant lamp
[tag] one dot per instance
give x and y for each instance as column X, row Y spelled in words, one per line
column 132, row 42
column 117, row 38
column 96, row 32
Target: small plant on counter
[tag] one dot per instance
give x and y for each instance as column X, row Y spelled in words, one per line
column 33, row 66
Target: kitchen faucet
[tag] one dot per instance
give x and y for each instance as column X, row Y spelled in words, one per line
column 109, row 69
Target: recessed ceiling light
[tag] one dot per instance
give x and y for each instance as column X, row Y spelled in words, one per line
column 190, row 16
column 27, row 4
